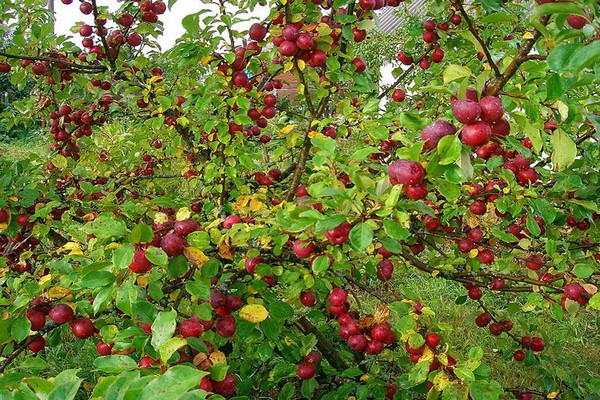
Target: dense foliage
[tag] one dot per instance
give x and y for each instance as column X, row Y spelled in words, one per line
column 230, row 216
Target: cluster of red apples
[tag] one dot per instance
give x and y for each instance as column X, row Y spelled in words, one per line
column 411, row 174
column 23, row 241
column 59, row 314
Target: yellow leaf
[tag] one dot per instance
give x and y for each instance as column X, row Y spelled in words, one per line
column 441, row 381
column 314, row 134
column 112, row 246
column 241, row 202
column 205, row 60
column 256, row 205
column 287, row 129
column 254, row 313
column 364, row 378
column 218, row 357
column 301, row 65
column 195, row 256
column 58, row 292
column 473, row 253
column 528, row 35
column 142, row 281
column 72, row 247
column 160, row 218
column 435, row 273
column 552, row 395
column 89, row 217
column 183, row 213
column 45, row 279
column 155, row 78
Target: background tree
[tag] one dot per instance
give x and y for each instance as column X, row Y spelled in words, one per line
column 208, row 234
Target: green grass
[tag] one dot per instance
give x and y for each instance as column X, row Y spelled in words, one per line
column 572, row 344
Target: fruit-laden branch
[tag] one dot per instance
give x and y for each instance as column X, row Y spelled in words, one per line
column 475, row 33
column 80, row 67
column 22, row 346
column 520, row 58
column 406, row 72
column 326, row 348
column 100, row 31
column 300, row 166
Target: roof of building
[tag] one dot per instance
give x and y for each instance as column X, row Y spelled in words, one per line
column 389, row 21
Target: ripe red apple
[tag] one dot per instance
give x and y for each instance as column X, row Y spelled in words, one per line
column 126, row 19
column 434, row 132
column 159, row 7
column 339, row 235
column 466, row 111
column 337, row 297
column 478, row 208
column 304, row 41
column 537, row 344
column 308, row 298
column 385, row 270
column 37, row 319
column 257, row 32
column 465, row 245
column 61, row 313
column 438, row 55
column 576, row 21
column 38, row 69
column 191, row 328
column 483, row 319
column 86, row 8
column 147, row 361
column 496, row 328
column 36, row 343
column 172, row 244
column 475, row 293
column 185, row 227
column 405, row 59
column 357, row 342
column 303, row 249
column 226, row 326
column 398, row 95
column 486, row 256
column 140, row 264
column 83, row 328
column 501, row 128
column 360, row 64
column 519, row 355
column 380, row 331
column 432, row 340
column 491, row 109
column 573, row 291
column 104, row 349
column 406, row 172
column 306, row 370
column 4, row 216
column 231, row 220
column 4, row 67
column 534, row 262
column 416, row 192
column 476, row 134
column 134, row 39
column 85, row 30
column 288, row 48
column 374, row 347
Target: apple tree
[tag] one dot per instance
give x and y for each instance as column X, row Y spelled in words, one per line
column 231, row 217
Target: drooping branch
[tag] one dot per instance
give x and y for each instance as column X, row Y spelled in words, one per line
column 406, row 72
column 521, row 57
column 475, row 34
column 300, row 167
column 80, row 67
column 326, row 348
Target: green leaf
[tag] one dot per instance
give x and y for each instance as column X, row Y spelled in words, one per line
column 583, row 271
column 559, row 57
column 361, row 236
column 595, row 301
column 218, row 372
column 556, row 8
column 163, row 328
column 199, row 240
column 449, row 149
column 455, row 72
column 565, row 150
column 320, row 264
column 198, row 288
column 418, row 373
column 141, row 233
column 584, row 57
column 168, row 348
column 97, row 279
column 173, row 384
column 485, row 390
column 115, row 363
column 20, row 328
column 157, row 256
column 329, row 223
column 395, row 230
column 123, row 256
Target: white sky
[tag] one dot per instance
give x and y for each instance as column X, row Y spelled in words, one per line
column 68, row 15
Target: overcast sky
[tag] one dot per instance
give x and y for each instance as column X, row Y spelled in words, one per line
column 68, row 15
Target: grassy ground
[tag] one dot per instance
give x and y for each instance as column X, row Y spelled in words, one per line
column 573, row 345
